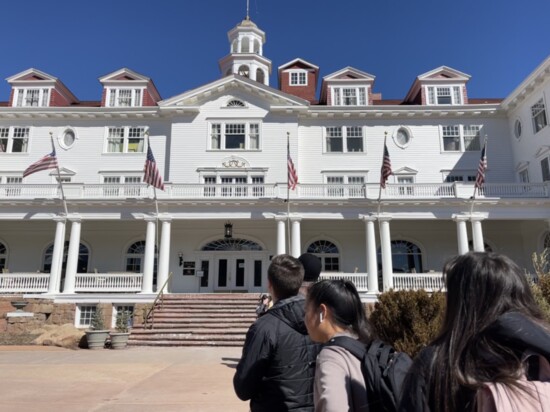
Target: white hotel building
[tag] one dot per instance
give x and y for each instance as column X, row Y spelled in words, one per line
column 222, row 152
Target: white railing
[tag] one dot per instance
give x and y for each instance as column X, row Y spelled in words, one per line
column 24, row 282
column 430, row 282
column 277, row 190
column 108, row 282
column 360, row 280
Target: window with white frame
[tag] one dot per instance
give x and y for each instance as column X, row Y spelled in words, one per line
column 125, row 97
column 444, row 95
column 405, row 185
column 32, row 97
column 344, row 139
column 328, row 253
column 14, row 139
column 345, row 185
column 12, row 185
column 461, row 138
column 126, row 139
column 523, row 176
column 460, row 177
column 298, row 78
column 113, row 185
column 349, row 96
column 538, row 113
column 85, row 315
column 545, row 169
column 3, row 256
column 234, row 185
column 119, row 310
column 235, row 136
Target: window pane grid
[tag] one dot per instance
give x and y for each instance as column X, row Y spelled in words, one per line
column 451, row 138
column 86, row 315
column 334, row 139
column 472, row 138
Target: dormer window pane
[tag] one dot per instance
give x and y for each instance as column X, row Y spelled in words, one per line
column 235, row 136
column 112, row 97
column 32, row 97
column 431, row 95
column 125, row 97
column 350, row 97
column 137, row 100
column 45, row 97
column 457, row 95
column 336, row 93
column 444, row 95
column 362, row 97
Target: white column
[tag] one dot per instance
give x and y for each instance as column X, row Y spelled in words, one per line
column 57, row 255
column 462, row 233
column 477, row 234
column 372, row 267
column 252, row 73
column 281, row 241
column 72, row 258
column 149, row 258
column 164, row 253
column 296, row 237
column 385, row 244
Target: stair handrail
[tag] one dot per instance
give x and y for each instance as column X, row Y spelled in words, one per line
column 160, row 296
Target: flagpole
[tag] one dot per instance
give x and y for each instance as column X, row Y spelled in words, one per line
column 288, row 191
column 59, row 179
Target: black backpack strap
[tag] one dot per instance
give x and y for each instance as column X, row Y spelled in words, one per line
column 353, row 346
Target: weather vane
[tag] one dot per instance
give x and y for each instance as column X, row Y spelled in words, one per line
column 247, row 9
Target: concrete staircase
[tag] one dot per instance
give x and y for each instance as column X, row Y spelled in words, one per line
column 199, row 320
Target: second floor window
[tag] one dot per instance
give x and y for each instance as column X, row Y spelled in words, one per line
column 344, row 139
column 458, row 138
column 349, row 96
column 124, row 97
column 126, row 139
column 235, row 136
column 14, row 139
column 444, row 95
column 32, row 97
column 298, row 78
column 538, row 111
column 545, row 169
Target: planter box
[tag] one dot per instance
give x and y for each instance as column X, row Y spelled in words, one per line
column 119, row 340
column 96, row 338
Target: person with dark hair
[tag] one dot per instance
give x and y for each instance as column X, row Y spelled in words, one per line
column 277, row 366
column 491, row 324
column 312, row 270
column 334, row 308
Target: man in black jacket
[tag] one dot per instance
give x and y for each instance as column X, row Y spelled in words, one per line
column 277, row 367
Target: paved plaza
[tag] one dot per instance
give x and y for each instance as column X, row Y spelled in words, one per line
column 135, row 379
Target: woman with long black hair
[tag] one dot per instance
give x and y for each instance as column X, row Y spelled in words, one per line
column 491, row 324
column 334, row 308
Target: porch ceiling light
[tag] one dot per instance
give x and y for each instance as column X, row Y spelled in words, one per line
column 228, row 232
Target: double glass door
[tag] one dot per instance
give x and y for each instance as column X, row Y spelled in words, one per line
column 238, row 274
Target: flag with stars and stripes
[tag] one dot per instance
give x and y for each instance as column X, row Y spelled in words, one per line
column 385, row 171
column 47, row 162
column 152, row 175
column 292, row 175
column 481, row 168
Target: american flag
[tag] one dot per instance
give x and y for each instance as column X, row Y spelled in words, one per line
column 152, row 175
column 385, row 171
column 480, row 178
column 292, row 175
column 47, row 162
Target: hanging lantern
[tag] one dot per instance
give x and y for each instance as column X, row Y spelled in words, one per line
column 228, row 233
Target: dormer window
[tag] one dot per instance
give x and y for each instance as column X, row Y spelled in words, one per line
column 32, row 98
column 349, row 96
column 444, row 95
column 125, row 98
column 298, row 78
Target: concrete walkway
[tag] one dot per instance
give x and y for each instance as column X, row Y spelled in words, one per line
column 135, row 379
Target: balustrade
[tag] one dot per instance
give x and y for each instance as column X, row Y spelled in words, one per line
column 24, row 282
column 108, row 282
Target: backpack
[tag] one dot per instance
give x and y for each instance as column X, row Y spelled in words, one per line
column 384, row 370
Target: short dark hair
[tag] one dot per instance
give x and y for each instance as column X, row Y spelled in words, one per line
column 286, row 274
column 312, row 267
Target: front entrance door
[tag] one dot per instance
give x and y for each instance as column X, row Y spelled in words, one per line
column 240, row 273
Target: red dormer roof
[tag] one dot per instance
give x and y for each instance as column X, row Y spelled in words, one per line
column 127, row 78
column 346, row 76
column 307, row 91
column 440, row 76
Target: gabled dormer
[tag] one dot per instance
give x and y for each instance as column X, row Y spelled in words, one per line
column 443, row 86
column 299, row 78
column 126, row 88
column 347, row 87
column 33, row 88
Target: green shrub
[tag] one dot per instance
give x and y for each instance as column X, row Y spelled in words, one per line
column 97, row 321
column 541, row 289
column 408, row 319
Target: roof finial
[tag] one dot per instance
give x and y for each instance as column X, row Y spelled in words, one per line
column 247, row 9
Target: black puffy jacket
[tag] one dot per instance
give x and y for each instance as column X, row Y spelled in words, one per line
column 277, row 368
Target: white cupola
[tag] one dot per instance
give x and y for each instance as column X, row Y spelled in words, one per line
column 245, row 57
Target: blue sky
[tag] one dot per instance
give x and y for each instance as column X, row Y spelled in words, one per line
column 178, row 43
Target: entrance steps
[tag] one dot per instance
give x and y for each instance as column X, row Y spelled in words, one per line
column 214, row 319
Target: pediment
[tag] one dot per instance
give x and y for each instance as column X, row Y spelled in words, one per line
column 227, row 85
column 522, row 165
column 31, row 75
column 63, row 171
column 444, row 73
column 542, row 151
column 405, row 171
column 298, row 63
column 123, row 75
column 350, row 73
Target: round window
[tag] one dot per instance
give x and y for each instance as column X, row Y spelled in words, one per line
column 517, row 129
column 67, row 138
column 402, row 137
